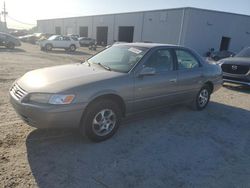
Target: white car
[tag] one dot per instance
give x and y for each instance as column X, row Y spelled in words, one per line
column 59, row 41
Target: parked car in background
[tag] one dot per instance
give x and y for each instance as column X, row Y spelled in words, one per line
column 30, row 38
column 9, row 41
column 34, row 38
column 85, row 41
column 74, row 36
column 59, row 41
column 44, row 36
column 121, row 80
column 18, row 33
column 237, row 69
column 216, row 56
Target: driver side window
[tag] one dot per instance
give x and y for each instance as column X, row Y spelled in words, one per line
column 161, row 60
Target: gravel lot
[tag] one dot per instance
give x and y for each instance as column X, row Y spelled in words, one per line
column 171, row 147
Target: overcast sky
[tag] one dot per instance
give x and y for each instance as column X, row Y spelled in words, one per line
column 28, row 11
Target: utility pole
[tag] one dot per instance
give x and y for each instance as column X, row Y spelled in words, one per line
column 4, row 13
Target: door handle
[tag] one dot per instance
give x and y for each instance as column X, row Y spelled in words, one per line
column 174, row 80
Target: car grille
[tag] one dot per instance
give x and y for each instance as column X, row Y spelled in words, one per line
column 235, row 69
column 17, row 92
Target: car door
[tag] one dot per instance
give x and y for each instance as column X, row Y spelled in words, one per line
column 65, row 42
column 159, row 88
column 2, row 39
column 190, row 74
column 57, row 42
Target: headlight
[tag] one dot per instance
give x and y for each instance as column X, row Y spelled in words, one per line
column 51, row 99
column 61, row 99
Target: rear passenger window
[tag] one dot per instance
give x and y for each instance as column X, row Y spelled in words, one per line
column 161, row 60
column 66, row 38
column 186, row 60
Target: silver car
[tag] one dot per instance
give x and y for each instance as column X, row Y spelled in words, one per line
column 117, row 82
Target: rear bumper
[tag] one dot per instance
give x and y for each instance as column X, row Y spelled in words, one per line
column 49, row 116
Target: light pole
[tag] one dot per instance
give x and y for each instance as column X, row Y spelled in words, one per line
column 4, row 13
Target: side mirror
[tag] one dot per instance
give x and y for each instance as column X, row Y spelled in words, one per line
column 147, row 71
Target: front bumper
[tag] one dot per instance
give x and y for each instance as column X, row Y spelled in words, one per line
column 49, row 116
column 237, row 78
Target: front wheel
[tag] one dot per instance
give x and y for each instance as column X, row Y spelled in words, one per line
column 72, row 48
column 202, row 98
column 101, row 120
column 48, row 47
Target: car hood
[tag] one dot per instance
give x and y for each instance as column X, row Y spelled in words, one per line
column 62, row 78
column 237, row 61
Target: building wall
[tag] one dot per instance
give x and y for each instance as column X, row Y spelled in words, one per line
column 131, row 19
column 191, row 27
column 205, row 30
column 162, row 26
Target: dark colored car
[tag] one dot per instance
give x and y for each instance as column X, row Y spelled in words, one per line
column 9, row 41
column 85, row 41
column 237, row 69
column 121, row 80
column 19, row 33
column 74, row 36
column 216, row 56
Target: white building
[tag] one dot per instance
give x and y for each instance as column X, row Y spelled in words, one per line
column 196, row 28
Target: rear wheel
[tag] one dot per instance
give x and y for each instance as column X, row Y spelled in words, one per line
column 101, row 120
column 202, row 98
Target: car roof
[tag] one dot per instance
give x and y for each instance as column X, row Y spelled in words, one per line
column 147, row 45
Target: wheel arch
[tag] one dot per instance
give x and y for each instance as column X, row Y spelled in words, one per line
column 48, row 43
column 210, row 85
column 110, row 96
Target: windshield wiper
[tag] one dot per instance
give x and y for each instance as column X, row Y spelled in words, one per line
column 104, row 66
column 86, row 61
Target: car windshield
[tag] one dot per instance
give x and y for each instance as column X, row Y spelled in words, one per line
column 119, row 58
column 52, row 37
column 244, row 53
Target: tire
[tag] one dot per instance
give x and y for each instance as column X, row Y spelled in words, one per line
column 10, row 45
column 48, row 47
column 72, row 48
column 202, row 98
column 101, row 121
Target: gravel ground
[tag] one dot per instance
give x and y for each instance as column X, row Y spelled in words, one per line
column 171, row 147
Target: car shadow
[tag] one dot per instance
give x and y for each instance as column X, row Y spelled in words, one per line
column 80, row 53
column 11, row 50
column 170, row 147
column 236, row 87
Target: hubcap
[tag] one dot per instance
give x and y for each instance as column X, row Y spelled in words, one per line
column 104, row 122
column 203, row 97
